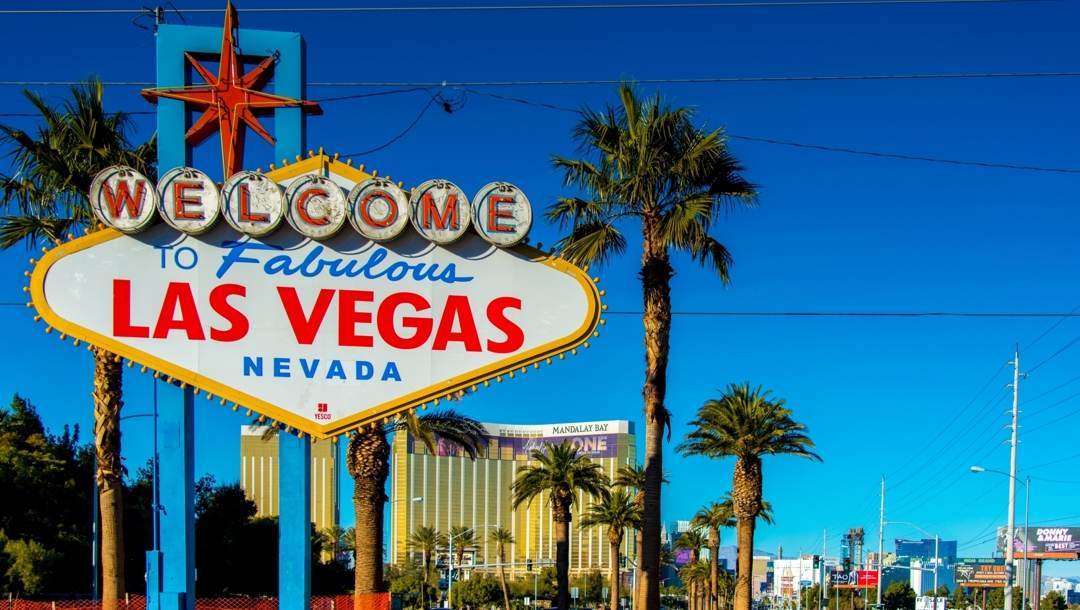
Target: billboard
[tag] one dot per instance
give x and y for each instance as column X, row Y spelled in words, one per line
column 980, row 572
column 1042, row 542
column 858, row 579
column 339, row 316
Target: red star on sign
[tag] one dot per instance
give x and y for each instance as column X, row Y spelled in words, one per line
column 230, row 101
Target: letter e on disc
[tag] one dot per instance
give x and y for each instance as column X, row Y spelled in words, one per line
column 378, row 209
column 123, row 199
column 502, row 214
column 440, row 211
column 190, row 201
column 253, row 203
column 316, row 206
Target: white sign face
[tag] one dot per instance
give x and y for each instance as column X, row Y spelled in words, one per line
column 322, row 335
column 189, row 200
column 123, row 199
column 254, row 204
column 440, row 211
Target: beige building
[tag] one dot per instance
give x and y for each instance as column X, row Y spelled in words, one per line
column 259, row 476
column 445, row 489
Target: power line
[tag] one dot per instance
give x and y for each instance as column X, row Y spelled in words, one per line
column 400, row 135
column 1055, row 354
column 477, row 8
column 616, row 81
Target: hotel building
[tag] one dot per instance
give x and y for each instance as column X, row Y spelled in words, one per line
column 444, row 488
column 259, row 476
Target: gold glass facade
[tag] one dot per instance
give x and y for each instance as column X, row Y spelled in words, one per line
column 259, row 476
column 444, row 489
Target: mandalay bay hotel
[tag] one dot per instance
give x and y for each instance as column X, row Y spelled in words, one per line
column 444, row 488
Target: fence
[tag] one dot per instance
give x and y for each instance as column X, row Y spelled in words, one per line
column 378, row 601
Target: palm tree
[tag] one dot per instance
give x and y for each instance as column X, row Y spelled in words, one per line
column 427, row 540
column 369, row 465
column 692, row 540
column 501, row 537
column 617, row 512
column 45, row 199
column 463, row 537
column 561, row 471
column 695, row 575
column 746, row 423
column 712, row 517
column 649, row 164
column 633, row 477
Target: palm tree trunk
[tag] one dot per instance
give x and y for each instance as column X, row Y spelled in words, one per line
column 502, row 577
column 656, row 284
column 561, row 518
column 714, row 568
column 613, row 601
column 108, row 379
column 638, row 537
column 745, row 565
column 369, row 464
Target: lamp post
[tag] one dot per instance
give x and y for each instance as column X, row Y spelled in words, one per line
column 411, row 500
column 450, row 563
column 937, row 558
column 1010, row 542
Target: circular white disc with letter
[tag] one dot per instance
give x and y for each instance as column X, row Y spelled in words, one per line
column 502, row 214
column 189, row 200
column 378, row 209
column 123, row 199
column 316, row 206
column 254, row 204
column 440, row 211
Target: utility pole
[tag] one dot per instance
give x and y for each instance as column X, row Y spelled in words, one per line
column 821, row 564
column 881, row 541
column 1011, row 532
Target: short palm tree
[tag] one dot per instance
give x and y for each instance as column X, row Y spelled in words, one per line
column 616, row 512
column 746, row 423
column 43, row 200
column 501, row 537
column 712, row 518
column 695, row 575
column 649, row 168
column 463, row 538
column 692, row 540
column 561, row 471
column 427, row 540
column 369, row 464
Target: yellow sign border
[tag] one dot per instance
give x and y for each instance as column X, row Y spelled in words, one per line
column 419, row 398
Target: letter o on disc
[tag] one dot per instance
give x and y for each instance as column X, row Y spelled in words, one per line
column 502, row 214
column 316, row 206
column 440, row 211
column 378, row 209
column 253, row 203
column 123, row 199
column 190, row 201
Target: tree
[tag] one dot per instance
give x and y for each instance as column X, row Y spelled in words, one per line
column 45, row 199
column 461, row 538
column 649, row 164
column 616, row 512
column 746, row 423
column 501, row 537
column 428, row 540
column 633, row 477
column 898, row 596
column 692, row 540
column 811, row 597
column 476, row 592
column 562, row 471
column 369, row 464
column 1053, row 600
column 713, row 517
column 695, row 575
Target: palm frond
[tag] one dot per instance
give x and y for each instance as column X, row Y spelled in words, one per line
column 593, row 242
column 32, row 229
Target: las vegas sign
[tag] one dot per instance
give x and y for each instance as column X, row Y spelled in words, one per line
column 317, row 295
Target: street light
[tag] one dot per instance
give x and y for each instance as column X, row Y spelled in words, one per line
column 937, row 559
column 450, row 562
column 411, row 500
column 1010, row 543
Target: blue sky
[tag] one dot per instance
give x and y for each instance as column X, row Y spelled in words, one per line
column 832, row 232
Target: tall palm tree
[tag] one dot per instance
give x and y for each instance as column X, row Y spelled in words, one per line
column 617, row 512
column 649, row 165
column 501, row 537
column 43, row 200
column 561, row 471
column 692, row 540
column 427, row 540
column 463, row 537
column 712, row 518
column 369, row 464
column 746, row 423
column 633, row 477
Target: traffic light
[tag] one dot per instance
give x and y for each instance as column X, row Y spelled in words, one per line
column 622, row 561
column 847, row 564
column 817, row 562
column 528, row 565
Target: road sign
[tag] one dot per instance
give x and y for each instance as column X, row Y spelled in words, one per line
column 574, row 592
column 322, row 334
